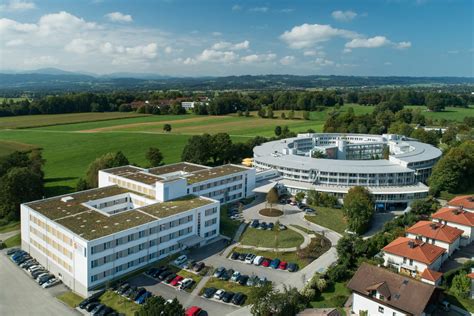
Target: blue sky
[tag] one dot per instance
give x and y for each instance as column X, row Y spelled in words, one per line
column 195, row 38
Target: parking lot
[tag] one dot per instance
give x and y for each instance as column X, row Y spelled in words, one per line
column 21, row 295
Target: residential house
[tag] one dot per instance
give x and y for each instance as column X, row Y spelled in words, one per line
column 458, row 218
column 465, row 202
column 437, row 234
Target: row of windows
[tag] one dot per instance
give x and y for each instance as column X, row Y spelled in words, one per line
column 216, row 183
column 51, row 230
column 210, row 211
column 210, row 233
column 132, row 186
column 51, row 242
column 210, row 222
column 51, row 255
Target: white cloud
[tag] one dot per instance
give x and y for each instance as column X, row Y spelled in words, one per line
column 322, row 62
column 227, row 45
column 17, row 5
column 287, row 60
column 40, row 61
column 344, row 16
column 403, row 45
column 373, row 42
column 314, row 53
column 171, row 50
column 211, row 55
column 288, row 10
column 7, row 25
column 80, row 46
column 15, row 42
column 236, row 7
column 307, row 35
column 63, row 22
column 119, row 17
column 259, row 9
column 258, row 58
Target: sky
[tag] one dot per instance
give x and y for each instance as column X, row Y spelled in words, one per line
column 224, row 37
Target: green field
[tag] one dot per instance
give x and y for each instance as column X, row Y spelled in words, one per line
column 119, row 303
column 450, row 113
column 334, row 296
column 7, row 147
column 267, row 238
column 71, row 299
column 10, row 227
column 13, row 241
column 331, row 218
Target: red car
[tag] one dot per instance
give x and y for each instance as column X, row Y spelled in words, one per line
column 282, row 265
column 175, row 281
column 266, row 263
column 193, row 311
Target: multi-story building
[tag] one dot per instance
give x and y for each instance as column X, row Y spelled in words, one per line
column 412, row 256
column 458, row 218
column 437, row 234
column 465, row 202
column 134, row 218
column 352, row 160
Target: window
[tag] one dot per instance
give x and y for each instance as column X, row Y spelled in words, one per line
column 381, row 309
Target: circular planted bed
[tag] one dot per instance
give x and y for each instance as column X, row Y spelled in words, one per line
column 270, row 212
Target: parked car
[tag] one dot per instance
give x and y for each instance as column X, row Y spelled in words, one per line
column 282, row 265
column 282, row 227
column 218, row 272
column 250, row 257
column 37, row 273
column 85, row 302
column 180, row 260
column 142, row 298
column 266, row 262
column 309, row 210
column 159, row 271
column 198, row 266
column 163, row 275
column 252, row 281
column 255, row 223
column 235, row 276
column 235, row 256
column 186, row 283
column 262, row 281
column 97, row 309
column 34, row 267
column 91, row 306
column 219, row 294
column 270, row 226
column 275, row 263
column 12, row 251
column 128, row 293
column 258, row 260
column 242, row 256
column 189, row 264
column 44, row 279
column 292, row 267
column 23, row 259
column 170, row 278
column 17, row 254
column 262, row 225
column 243, row 279
column 177, row 279
column 151, row 271
column 227, row 297
column 193, row 311
column 209, row 292
column 140, row 291
column 24, row 264
column 238, row 299
column 50, row 283
column 105, row 311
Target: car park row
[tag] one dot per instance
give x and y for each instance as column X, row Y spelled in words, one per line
column 264, row 262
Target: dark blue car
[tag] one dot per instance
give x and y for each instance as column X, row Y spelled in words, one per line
column 275, row 263
column 143, row 297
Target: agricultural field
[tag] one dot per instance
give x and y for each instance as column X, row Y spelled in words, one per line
column 7, row 147
column 450, row 113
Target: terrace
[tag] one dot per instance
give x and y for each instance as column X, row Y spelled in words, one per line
column 173, row 207
column 216, row 172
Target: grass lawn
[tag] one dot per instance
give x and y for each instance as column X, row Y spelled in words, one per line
column 7, row 147
column 334, row 296
column 304, row 229
column 450, row 113
column 70, row 298
column 267, row 238
column 228, row 286
column 10, row 227
column 283, row 256
column 228, row 226
column 13, row 241
column 186, row 274
column 331, row 218
column 119, row 303
column 465, row 303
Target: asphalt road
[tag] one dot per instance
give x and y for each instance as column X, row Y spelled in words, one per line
column 20, row 295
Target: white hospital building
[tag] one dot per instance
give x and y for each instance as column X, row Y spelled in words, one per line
column 135, row 217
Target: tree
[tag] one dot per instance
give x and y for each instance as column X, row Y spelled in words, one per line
column 272, row 197
column 221, row 148
column 291, row 115
column 454, row 171
column 283, row 116
column 278, row 130
column 300, row 196
column 81, row 185
column 154, row 157
column 167, row 128
column 435, row 102
column 261, row 113
column 157, row 306
column 358, row 209
column 270, row 112
column 461, row 285
column 109, row 160
column 305, row 115
column 247, row 113
column 198, row 149
column 267, row 301
column 318, row 154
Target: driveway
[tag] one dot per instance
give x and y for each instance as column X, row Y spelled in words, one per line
column 460, row 256
column 186, row 299
column 20, row 295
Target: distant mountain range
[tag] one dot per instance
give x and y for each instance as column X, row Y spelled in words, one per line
column 53, row 79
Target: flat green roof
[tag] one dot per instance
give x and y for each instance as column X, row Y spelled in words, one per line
column 180, row 166
column 216, row 172
column 142, row 177
column 173, row 207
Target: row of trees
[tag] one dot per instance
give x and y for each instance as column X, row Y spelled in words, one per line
column 21, row 180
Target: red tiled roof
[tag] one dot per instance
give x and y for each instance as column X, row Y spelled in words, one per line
column 455, row 215
column 421, row 251
column 466, row 201
column 436, row 231
column 431, row 275
column 471, row 275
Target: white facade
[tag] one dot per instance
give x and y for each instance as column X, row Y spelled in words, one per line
column 416, row 267
column 468, row 235
column 450, row 247
column 367, row 304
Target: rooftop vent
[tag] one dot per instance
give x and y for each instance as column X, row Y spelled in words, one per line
column 67, row 199
column 433, row 226
column 411, row 244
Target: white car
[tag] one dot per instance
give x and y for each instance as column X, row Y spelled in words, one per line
column 50, row 283
column 249, row 258
column 35, row 268
column 184, row 284
column 180, row 260
column 258, row 260
column 39, row 276
column 219, row 294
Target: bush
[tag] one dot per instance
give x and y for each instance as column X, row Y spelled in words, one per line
column 339, row 300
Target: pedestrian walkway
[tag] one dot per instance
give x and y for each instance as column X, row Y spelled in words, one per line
column 5, row 236
column 200, row 285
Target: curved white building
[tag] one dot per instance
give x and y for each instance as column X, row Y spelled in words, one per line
column 352, row 160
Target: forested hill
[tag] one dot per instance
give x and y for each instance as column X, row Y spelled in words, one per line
column 81, row 82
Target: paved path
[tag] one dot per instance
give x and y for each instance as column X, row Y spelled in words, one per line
column 5, row 236
column 20, row 295
column 200, row 285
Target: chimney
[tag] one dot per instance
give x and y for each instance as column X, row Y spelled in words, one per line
column 433, row 226
column 411, row 244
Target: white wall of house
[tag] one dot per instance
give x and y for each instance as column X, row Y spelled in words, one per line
column 468, row 230
column 450, row 247
column 363, row 303
column 397, row 261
